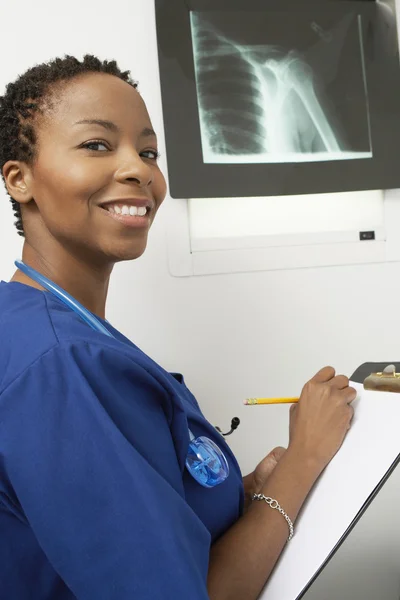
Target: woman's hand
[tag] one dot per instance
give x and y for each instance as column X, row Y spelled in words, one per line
column 322, row 417
column 254, row 482
column 264, row 469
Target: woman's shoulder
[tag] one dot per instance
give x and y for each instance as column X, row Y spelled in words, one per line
column 38, row 331
column 25, row 329
column 49, row 357
column 34, row 326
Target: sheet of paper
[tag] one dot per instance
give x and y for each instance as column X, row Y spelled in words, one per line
column 369, row 450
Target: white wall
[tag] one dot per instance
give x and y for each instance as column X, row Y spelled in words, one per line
column 233, row 336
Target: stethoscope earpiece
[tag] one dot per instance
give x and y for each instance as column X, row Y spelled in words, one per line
column 234, row 425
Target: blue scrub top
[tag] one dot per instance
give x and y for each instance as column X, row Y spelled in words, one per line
column 95, row 500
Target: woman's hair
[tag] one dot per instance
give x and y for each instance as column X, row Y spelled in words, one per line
column 28, row 95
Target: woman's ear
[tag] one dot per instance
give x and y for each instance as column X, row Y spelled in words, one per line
column 18, row 179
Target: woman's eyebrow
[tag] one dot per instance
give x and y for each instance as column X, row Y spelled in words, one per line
column 103, row 123
column 148, row 132
column 110, row 126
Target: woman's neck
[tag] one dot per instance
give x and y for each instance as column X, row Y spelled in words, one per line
column 86, row 283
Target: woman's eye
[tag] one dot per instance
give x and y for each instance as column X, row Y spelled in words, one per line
column 153, row 154
column 95, row 145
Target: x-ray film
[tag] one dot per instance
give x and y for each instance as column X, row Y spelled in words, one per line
column 265, row 102
column 273, row 97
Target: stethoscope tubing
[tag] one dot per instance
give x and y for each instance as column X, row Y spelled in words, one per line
column 62, row 295
column 210, row 449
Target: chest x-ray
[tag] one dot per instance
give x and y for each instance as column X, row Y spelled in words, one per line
column 260, row 101
column 279, row 97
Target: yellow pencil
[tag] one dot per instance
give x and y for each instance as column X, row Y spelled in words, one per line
column 251, row 401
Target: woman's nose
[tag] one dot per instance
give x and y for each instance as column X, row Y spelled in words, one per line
column 134, row 168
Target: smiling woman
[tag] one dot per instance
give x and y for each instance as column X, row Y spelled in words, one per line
column 106, row 461
column 92, row 139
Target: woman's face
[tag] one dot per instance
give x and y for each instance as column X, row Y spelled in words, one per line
column 96, row 162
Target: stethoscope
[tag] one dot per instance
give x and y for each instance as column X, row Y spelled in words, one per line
column 205, row 461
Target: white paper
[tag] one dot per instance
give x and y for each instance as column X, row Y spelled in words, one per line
column 370, row 448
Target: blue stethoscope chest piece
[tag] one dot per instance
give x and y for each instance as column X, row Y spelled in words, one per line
column 205, row 461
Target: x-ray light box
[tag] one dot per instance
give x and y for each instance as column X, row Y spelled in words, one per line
column 269, row 98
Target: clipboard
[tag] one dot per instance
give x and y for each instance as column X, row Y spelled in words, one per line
column 306, row 556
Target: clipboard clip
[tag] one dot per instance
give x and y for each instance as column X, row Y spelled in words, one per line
column 385, row 381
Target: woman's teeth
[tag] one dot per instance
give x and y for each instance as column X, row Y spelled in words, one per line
column 133, row 211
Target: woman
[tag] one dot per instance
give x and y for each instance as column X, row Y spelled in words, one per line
column 95, row 498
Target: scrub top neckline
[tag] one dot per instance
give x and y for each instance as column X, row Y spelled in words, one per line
column 35, row 289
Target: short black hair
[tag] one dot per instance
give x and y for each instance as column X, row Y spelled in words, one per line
column 27, row 96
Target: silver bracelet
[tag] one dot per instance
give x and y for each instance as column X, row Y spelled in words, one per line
column 275, row 504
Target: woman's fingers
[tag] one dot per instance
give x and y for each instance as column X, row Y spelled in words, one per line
column 277, row 453
column 324, row 375
column 339, row 382
column 327, row 375
column 351, row 408
column 351, row 394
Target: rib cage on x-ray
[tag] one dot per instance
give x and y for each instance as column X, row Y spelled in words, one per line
column 257, row 103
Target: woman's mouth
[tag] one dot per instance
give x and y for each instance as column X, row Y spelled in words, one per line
column 128, row 215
